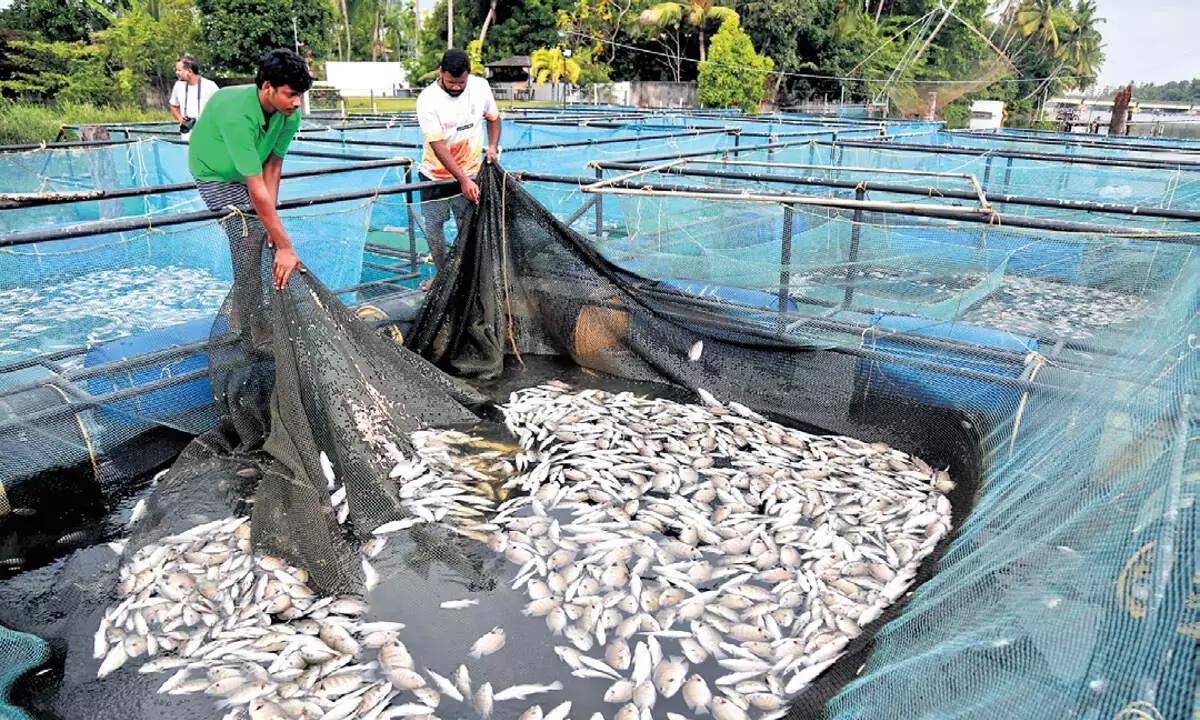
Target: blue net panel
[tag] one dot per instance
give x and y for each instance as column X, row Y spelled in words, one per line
column 21, row 653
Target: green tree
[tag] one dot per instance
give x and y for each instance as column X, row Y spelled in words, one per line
column 431, row 40
column 1182, row 91
column 520, row 26
column 794, row 34
column 475, row 52
column 673, row 21
column 735, row 75
column 1081, row 51
column 1044, row 19
column 239, row 32
column 553, row 66
column 65, row 20
column 597, row 25
column 143, row 41
column 56, row 70
column 379, row 29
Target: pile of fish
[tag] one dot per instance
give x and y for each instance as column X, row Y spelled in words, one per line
column 671, row 550
column 668, row 544
column 1038, row 307
column 247, row 630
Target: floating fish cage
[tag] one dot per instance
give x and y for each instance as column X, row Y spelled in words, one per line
column 727, row 415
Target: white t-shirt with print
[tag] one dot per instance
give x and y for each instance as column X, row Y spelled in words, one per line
column 459, row 121
column 191, row 101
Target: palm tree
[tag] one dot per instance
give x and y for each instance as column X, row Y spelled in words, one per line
column 697, row 13
column 1044, row 18
column 487, row 20
column 700, row 12
column 1081, row 50
column 551, row 64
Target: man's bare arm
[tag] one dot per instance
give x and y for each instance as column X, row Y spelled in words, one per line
column 493, row 148
column 178, row 115
column 264, row 205
column 468, row 186
column 272, row 171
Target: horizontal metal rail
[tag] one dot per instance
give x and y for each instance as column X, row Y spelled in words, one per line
column 10, row 201
column 605, row 141
column 1081, row 142
column 1098, row 160
column 69, row 145
column 900, row 189
column 101, row 227
column 974, row 216
column 356, row 141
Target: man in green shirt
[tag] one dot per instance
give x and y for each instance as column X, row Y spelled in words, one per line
column 236, row 155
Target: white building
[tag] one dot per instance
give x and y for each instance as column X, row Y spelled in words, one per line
column 362, row 79
column 987, row 114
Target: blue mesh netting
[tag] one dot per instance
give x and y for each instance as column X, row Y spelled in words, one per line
column 1041, row 178
column 20, row 653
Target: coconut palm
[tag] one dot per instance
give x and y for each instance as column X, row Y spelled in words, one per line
column 552, row 65
column 1081, row 50
column 697, row 13
column 1044, row 19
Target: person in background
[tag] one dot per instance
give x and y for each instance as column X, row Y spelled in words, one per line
column 236, row 155
column 189, row 95
column 451, row 113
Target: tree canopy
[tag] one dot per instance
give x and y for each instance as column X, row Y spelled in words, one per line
column 238, row 32
column 857, row 51
column 733, row 74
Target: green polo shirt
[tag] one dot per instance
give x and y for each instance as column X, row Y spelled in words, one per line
column 230, row 143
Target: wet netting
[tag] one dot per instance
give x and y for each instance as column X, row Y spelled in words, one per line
column 581, row 485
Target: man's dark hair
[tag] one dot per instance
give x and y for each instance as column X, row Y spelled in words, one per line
column 189, row 63
column 456, row 62
column 282, row 67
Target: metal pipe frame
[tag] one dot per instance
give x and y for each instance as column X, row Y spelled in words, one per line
column 69, row 145
column 1098, row 160
column 1043, row 340
column 1081, row 142
column 606, row 141
column 979, row 192
column 344, row 141
column 616, row 186
column 102, row 227
column 990, row 196
column 9, row 201
column 736, row 150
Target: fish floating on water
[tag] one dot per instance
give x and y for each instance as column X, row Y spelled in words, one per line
column 757, row 550
column 697, row 551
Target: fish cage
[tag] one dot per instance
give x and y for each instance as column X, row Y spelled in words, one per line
column 714, row 429
column 1080, row 176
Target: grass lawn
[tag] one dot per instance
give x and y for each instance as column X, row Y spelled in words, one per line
column 22, row 123
column 387, row 104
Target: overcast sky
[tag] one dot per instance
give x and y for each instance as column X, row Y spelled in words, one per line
column 1150, row 40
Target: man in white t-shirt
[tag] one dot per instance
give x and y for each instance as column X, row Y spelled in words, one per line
column 189, row 95
column 451, row 113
